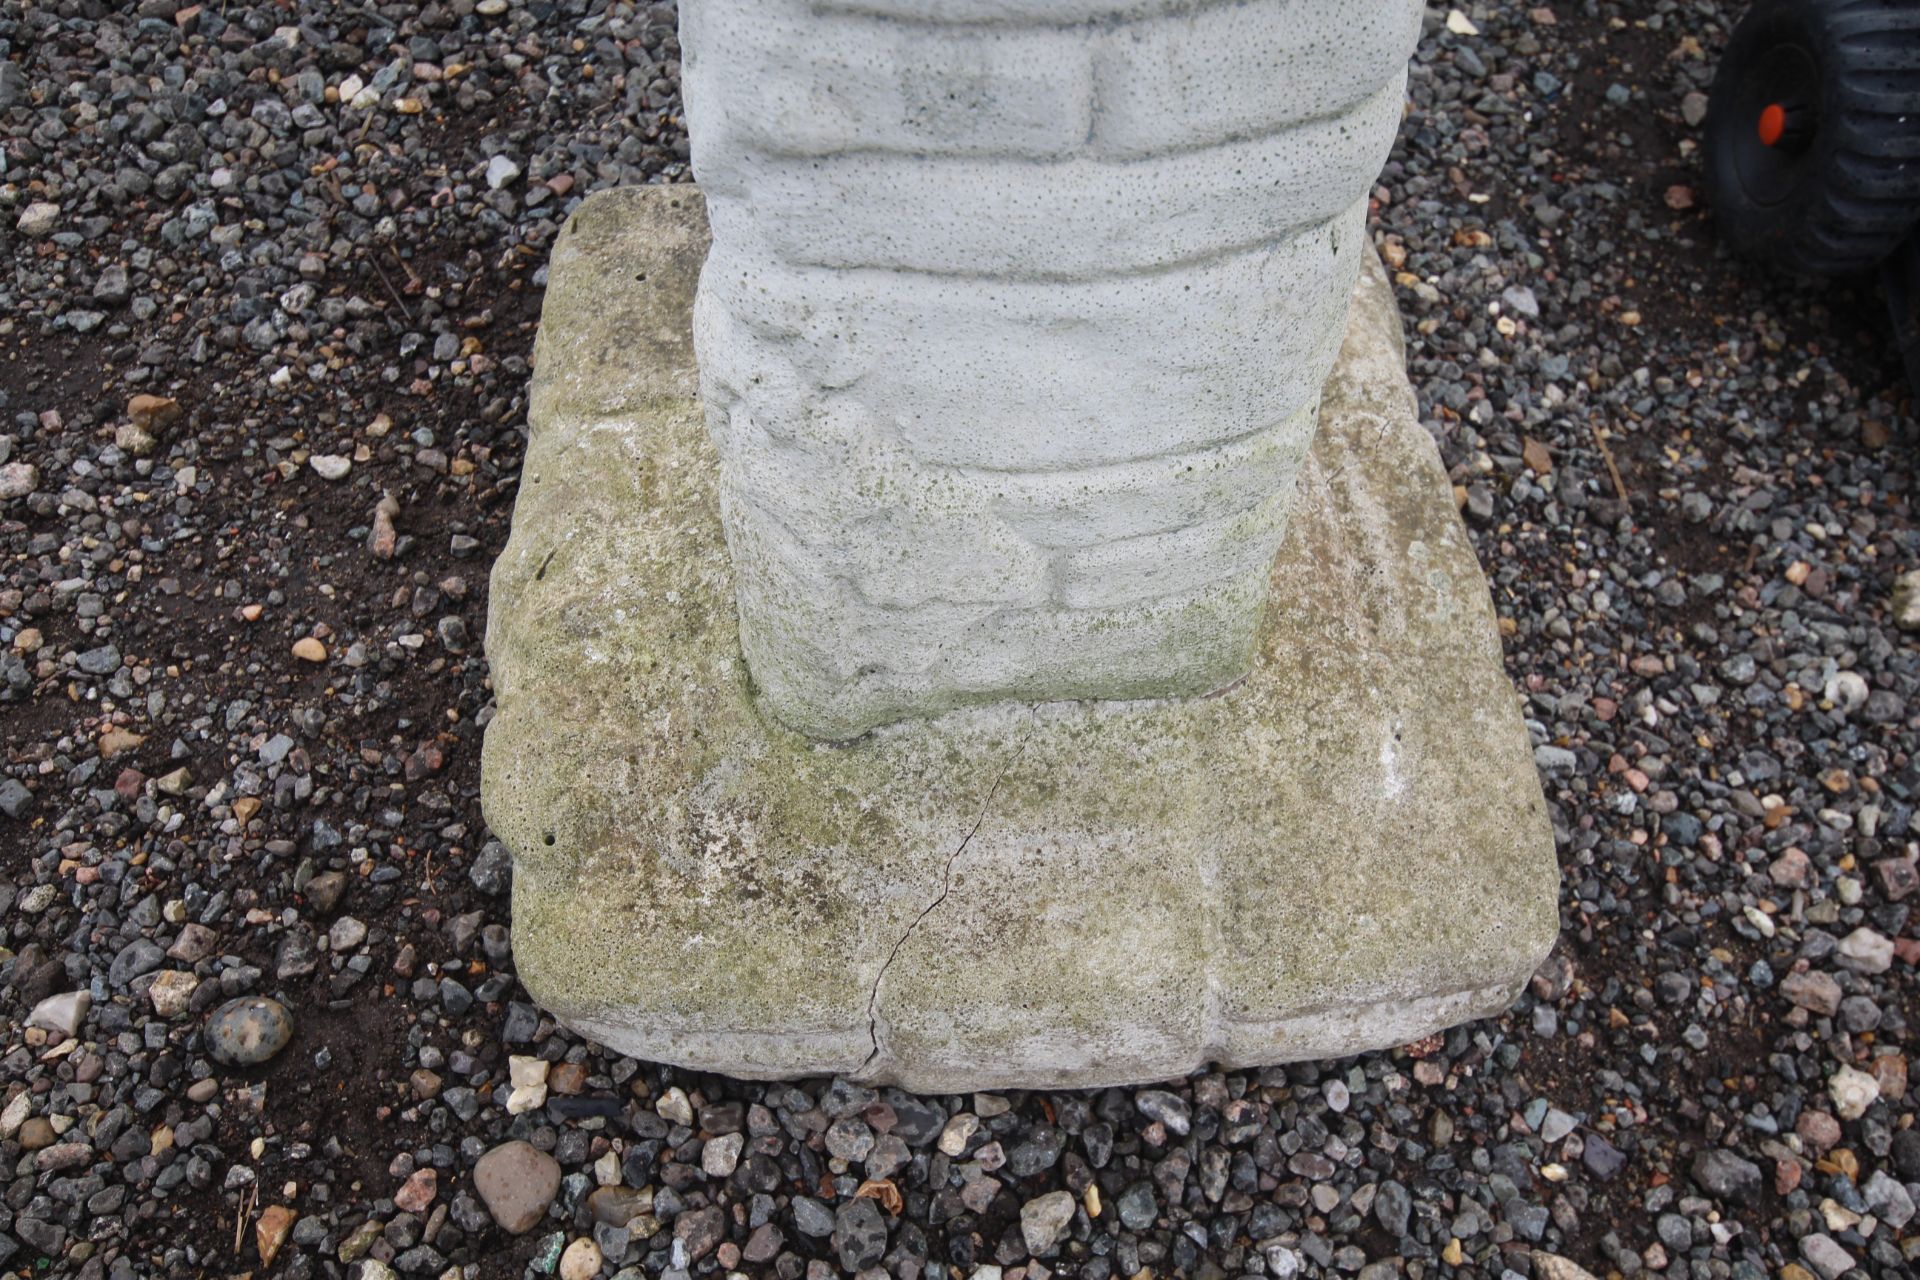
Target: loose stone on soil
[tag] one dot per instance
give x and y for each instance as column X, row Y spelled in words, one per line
column 275, row 1224
column 249, row 1030
column 61, row 1014
column 517, row 1182
column 1043, row 1220
column 1853, row 1092
column 171, row 992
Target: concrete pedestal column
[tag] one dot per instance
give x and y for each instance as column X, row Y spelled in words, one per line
column 1014, row 326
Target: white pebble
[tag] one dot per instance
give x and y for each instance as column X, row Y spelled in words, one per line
column 1865, row 951
column 1847, row 691
column 37, row 219
column 581, row 1261
column 1852, row 1092
column 501, row 171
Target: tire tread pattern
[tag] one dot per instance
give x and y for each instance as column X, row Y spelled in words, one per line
column 1865, row 195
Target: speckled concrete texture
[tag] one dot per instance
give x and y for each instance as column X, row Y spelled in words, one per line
column 1346, row 849
column 1014, row 327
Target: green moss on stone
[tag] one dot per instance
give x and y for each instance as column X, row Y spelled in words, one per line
column 1348, row 841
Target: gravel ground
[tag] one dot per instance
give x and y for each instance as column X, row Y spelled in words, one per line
column 273, row 275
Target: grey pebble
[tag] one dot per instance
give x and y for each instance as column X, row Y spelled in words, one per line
column 249, row 1030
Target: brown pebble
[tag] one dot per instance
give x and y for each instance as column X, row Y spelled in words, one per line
column 385, row 538
column 150, row 412
column 62, row 1156
column 418, row 1191
column 271, row 1231
column 517, row 1181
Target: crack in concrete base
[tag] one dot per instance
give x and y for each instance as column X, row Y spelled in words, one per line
column 946, row 887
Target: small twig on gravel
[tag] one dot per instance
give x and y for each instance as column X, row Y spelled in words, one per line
column 413, row 277
column 404, row 309
column 1600, row 438
column 250, row 1198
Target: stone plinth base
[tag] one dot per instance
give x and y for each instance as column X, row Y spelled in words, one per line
column 1347, row 849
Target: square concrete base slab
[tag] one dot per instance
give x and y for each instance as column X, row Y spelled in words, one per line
column 1347, row 849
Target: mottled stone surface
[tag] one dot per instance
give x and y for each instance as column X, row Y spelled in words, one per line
column 1346, row 849
column 248, row 1030
column 1012, row 331
column 517, row 1181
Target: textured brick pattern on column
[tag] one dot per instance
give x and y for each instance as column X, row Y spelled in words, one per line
column 1013, row 328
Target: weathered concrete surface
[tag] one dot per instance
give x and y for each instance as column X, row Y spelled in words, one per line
column 1013, row 328
column 1347, row 849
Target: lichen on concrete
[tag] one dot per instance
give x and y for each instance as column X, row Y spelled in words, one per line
column 1346, row 849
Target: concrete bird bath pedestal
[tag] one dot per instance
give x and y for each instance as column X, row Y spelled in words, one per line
column 982, row 610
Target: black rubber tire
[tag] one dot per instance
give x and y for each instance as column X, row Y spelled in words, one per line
column 1849, row 191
